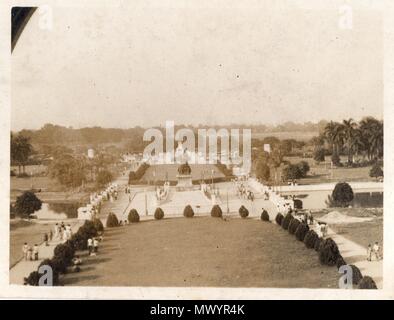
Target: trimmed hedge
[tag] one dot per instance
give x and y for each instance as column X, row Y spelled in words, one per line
column 188, row 211
column 367, row 283
column 279, row 218
column 159, row 213
column 216, row 211
column 357, row 275
column 301, row 231
column 133, row 216
column 318, row 243
column 293, row 226
column 243, row 212
column 265, row 216
column 112, row 220
column 98, row 225
column 310, row 239
column 286, row 221
column 329, row 252
column 340, row 262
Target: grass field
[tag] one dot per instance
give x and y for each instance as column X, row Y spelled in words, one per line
column 203, row 252
column 322, row 172
column 363, row 233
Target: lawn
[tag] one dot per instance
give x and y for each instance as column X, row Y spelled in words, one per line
column 203, row 252
column 322, row 172
column 363, row 233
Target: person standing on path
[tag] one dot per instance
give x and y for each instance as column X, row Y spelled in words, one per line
column 369, row 252
column 90, row 245
column 376, row 250
column 35, row 252
column 95, row 245
column 25, row 249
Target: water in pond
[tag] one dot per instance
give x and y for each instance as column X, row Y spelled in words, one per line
column 58, row 211
column 318, row 199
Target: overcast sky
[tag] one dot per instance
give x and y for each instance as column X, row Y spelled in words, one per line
column 142, row 64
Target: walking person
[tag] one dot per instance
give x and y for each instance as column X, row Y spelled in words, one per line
column 35, row 252
column 29, row 253
column 56, row 229
column 95, row 245
column 376, row 250
column 369, row 252
column 46, row 239
column 25, row 249
column 90, row 245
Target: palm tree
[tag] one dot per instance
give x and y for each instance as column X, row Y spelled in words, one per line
column 329, row 134
column 349, row 127
column 372, row 131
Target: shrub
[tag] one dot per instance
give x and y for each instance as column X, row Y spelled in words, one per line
column 133, row 216
column 62, row 256
column 336, row 161
column 340, row 262
column 292, row 172
column 112, row 220
column 298, row 204
column 98, row 225
column 159, row 214
column 301, row 231
column 376, row 171
column 310, row 239
column 243, row 212
column 286, row 221
column 328, row 252
column 188, row 212
column 318, row 243
column 33, row 278
column 357, row 276
column 27, row 203
column 342, row 194
column 304, row 168
column 293, row 226
column 216, row 211
column 319, row 154
column 279, row 218
column 367, row 283
column 265, row 216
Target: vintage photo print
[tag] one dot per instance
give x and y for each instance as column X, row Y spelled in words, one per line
column 196, row 149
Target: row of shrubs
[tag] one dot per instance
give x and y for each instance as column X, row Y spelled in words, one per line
column 188, row 212
column 64, row 252
column 327, row 249
column 133, row 216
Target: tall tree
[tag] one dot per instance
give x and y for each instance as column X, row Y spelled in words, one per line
column 21, row 149
column 349, row 127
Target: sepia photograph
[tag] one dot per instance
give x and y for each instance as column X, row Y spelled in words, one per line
column 197, row 144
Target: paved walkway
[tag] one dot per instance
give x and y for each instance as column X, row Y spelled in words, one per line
column 355, row 254
column 23, row 268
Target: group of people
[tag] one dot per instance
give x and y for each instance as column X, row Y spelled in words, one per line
column 373, row 250
column 62, row 232
column 93, row 244
column 30, row 253
column 244, row 192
